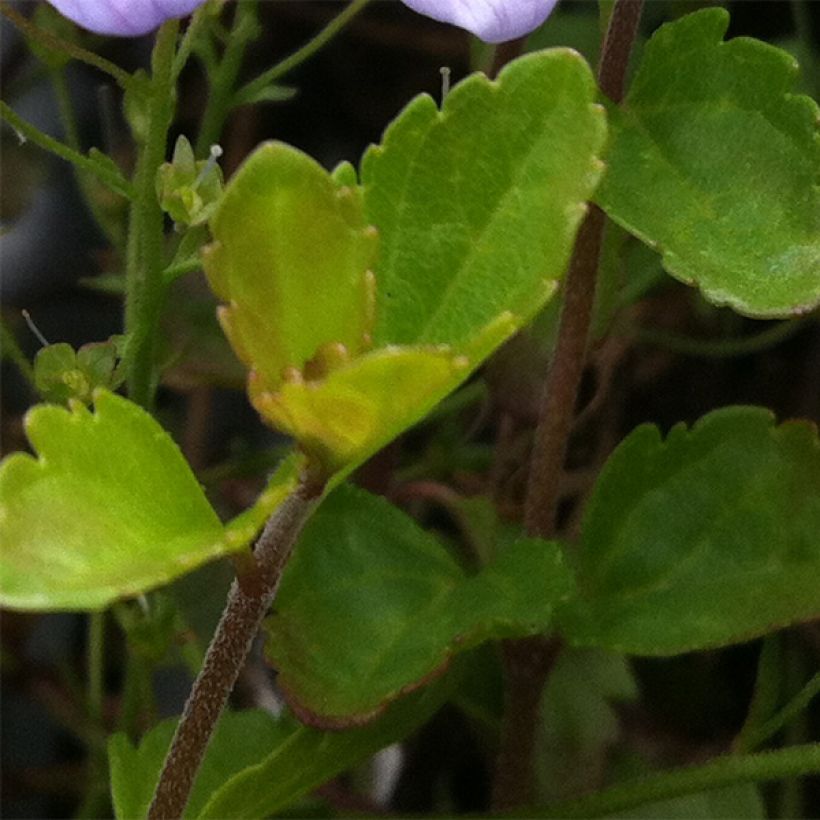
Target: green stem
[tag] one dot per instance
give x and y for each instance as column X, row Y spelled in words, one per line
column 69, row 120
column 96, row 799
column 96, row 670
column 54, row 43
column 787, row 714
column 605, row 14
column 66, row 107
column 186, row 257
column 186, row 45
column 766, row 694
column 790, row 803
column 104, row 172
column 795, row 761
column 808, row 44
column 721, row 348
column 223, row 78
column 137, row 694
column 145, row 287
column 173, row 272
column 252, row 88
column 12, row 351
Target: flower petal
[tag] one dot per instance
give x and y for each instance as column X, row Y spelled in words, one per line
column 494, row 21
column 123, row 18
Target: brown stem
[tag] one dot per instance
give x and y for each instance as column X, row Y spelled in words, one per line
column 617, row 48
column 527, row 664
column 246, row 607
column 563, row 380
column 564, row 377
column 528, row 661
column 506, row 53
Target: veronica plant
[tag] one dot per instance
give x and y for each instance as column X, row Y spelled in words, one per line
column 525, row 219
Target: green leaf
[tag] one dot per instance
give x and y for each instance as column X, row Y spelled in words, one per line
column 741, row 802
column 716, row 164
column 271, row 94
column 308, row 757
column 257, row 765
column 134, row 772
column 56, row 374
column 61, row 374
column 241, row 739
column 702, row 540
column 292, row 258
column 109, row 509
column 580, row 725
column 355, row 410
column 294, row 247
column 98, row 361
column 371, row 606
column 477, row 204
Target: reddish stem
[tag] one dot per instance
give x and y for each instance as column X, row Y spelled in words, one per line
column 248, row 603
column 527, row 662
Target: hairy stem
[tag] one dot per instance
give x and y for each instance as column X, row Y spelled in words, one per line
column 11, row 350
column 145, row 286
column 189, row 39
column 528, row 661
column 223, row 78
column 248, row 602
column 54, row 43
column 563, row 380
column 564, row 376
column 105, row 173
column 527, row 664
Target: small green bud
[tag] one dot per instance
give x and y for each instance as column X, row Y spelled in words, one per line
column 51, row 364
column 189, row 189
column 62, row 374
column 136, row 104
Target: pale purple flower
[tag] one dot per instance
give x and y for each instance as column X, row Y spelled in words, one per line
column 493, row 21
column 123, row 18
